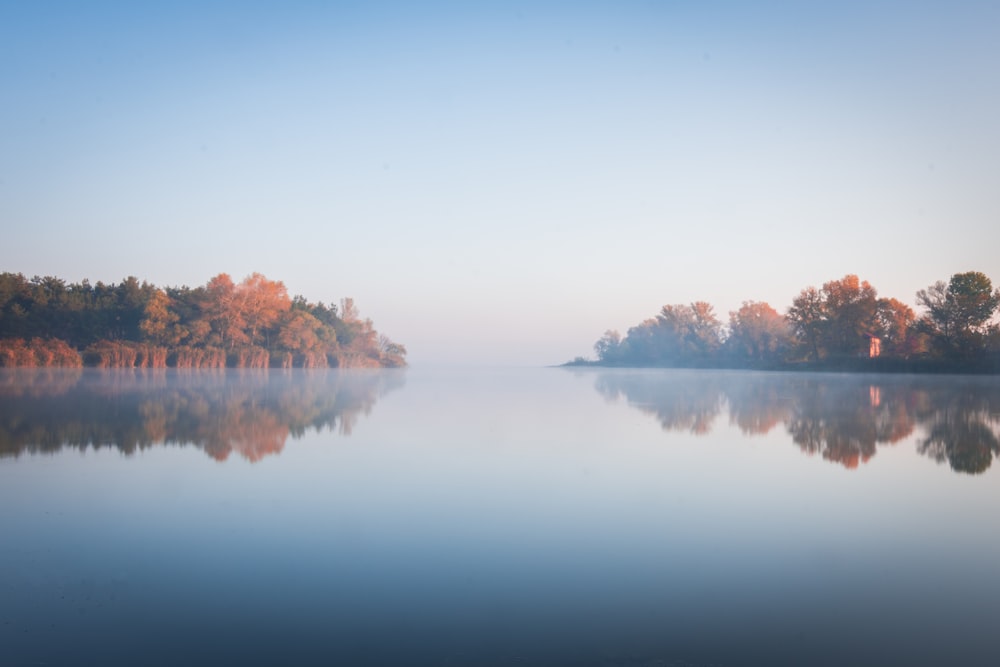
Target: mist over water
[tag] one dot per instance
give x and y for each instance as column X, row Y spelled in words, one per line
column 504, row 517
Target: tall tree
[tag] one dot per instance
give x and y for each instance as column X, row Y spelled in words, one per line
column 644, row 344
column 131, row 296
column 704, row 333
column 758, row 333
column 836, row 320
column 808, row 321
column 849, row 306
column 159, row 325
column 223, row 310
column 391, row 354
column 689, row 332
column 262, row 302
column 15, row 301
column 958, row 313
column 894, row 322
column 608, row 347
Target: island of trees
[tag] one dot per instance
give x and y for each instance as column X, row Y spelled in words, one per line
column 250, row 324
column 844, row 325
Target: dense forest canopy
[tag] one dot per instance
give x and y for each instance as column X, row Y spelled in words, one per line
column 843, row 324
column 253, row 323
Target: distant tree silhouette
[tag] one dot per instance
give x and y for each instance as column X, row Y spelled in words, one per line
column 758, row 334
column 958, row 314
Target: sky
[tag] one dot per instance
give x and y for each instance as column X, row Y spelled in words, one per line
column 500, row 183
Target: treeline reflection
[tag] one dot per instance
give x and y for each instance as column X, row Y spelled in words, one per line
column 843, row 418
column 249, row 412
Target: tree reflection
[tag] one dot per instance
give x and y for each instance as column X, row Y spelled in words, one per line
column 681, row 401
column 842, row 418
column 962, row 426
column 38, row 382
column 251, row 413
column 757, row 404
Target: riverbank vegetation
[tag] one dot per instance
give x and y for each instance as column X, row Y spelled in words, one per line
column 250, row 324
column 844, row 325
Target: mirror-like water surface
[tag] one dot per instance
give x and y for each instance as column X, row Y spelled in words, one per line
column 498, row 517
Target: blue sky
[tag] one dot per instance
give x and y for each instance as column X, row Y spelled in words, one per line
column 501, row 182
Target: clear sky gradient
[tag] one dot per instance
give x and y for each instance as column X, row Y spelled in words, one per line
column 501, row 182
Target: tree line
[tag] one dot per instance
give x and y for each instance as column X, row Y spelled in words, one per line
column 45, row 321
column 843, row 324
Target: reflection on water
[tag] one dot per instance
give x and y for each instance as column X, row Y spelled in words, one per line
column 961, row 428
column 843, row 418
column 248, row 412
column 497, row 517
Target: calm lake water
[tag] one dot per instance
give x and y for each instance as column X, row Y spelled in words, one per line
column 498, row 517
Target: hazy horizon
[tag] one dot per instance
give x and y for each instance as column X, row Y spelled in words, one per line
column 500, row 184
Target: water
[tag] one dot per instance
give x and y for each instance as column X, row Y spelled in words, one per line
column 497, row 517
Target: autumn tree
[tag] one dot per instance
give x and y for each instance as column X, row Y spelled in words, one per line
column 894, row 322
column 758, row 333
column 223, row 310
column 835, row 320
column 262, row 302
column 301, row 332
column 849, row 306
column 391, row 354
column 159, row 323
column 308, row 339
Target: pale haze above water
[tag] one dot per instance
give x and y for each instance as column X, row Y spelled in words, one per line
column 500, row 183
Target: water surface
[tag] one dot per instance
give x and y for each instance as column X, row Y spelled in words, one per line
column 497, row 517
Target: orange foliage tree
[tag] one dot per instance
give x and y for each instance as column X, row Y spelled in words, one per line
column 757, row 332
